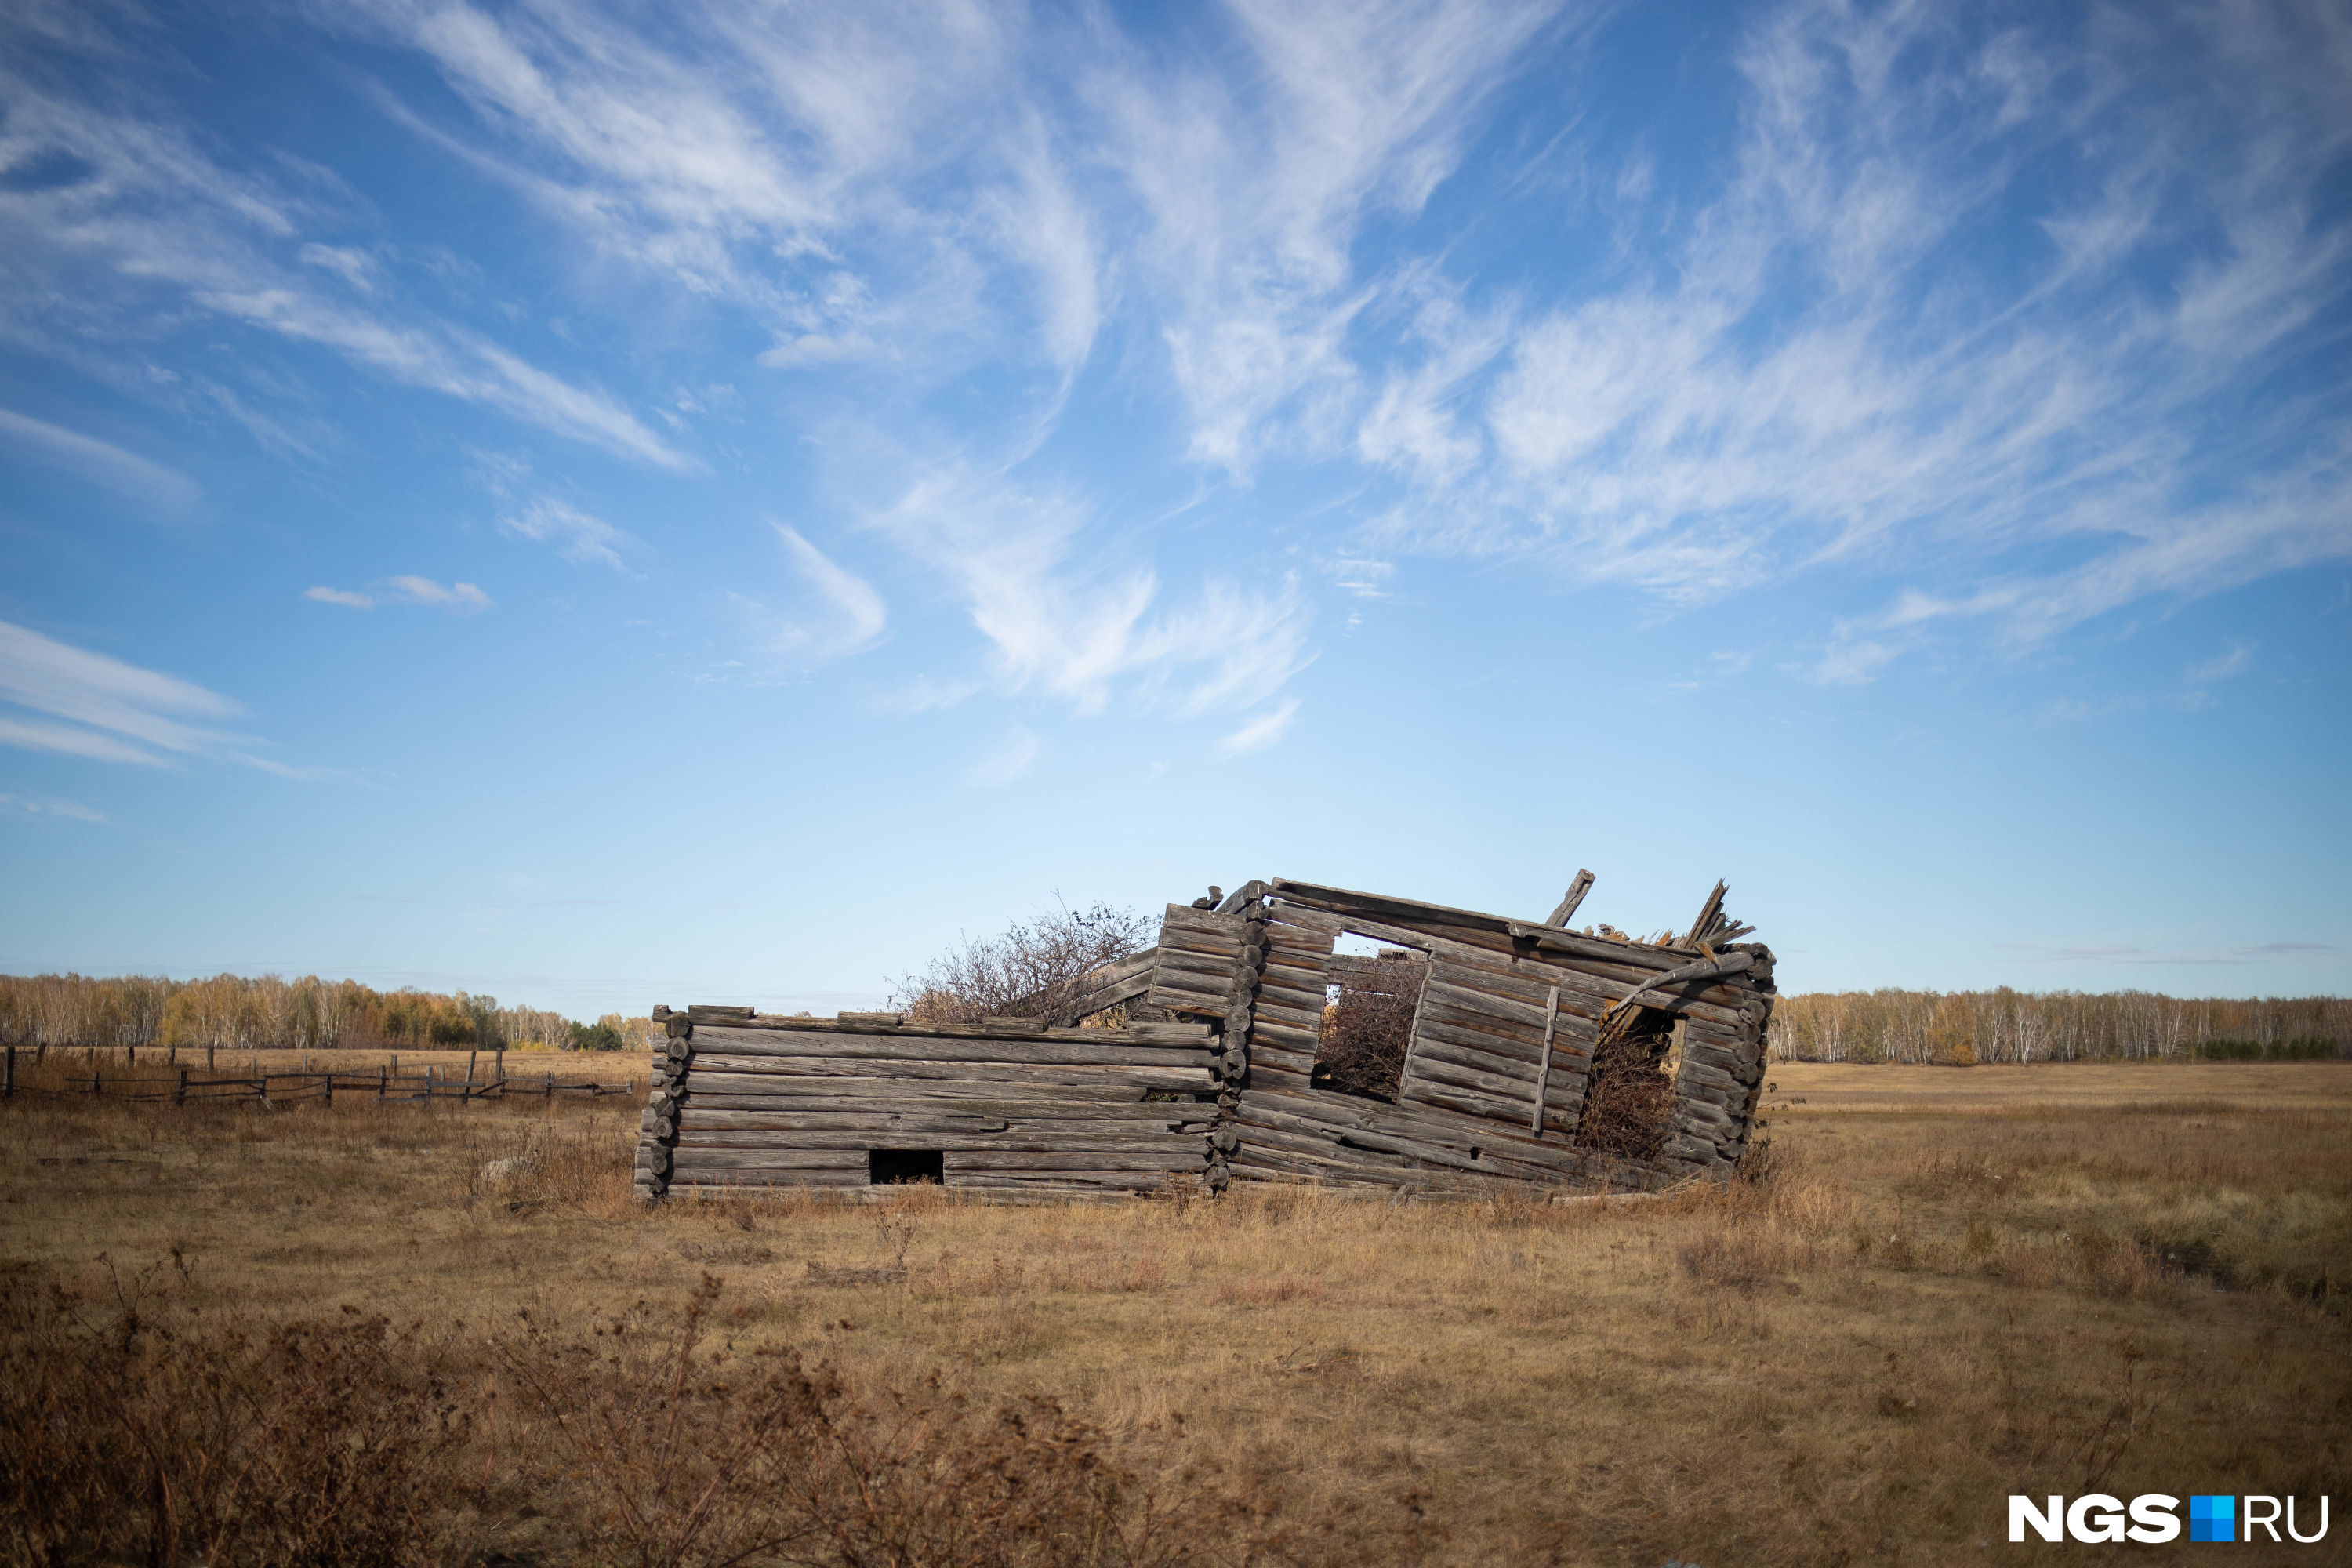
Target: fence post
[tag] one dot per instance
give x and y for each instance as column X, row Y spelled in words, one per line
column 468, row 1095
column 93, row 1080
column 329, row 1098
column 130, row 1056
column 208, row 1058
column 180, row 1095
column 383, row 1079
column 549, row 1092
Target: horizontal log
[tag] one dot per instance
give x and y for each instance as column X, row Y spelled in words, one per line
column 1275, row 1025
column 1472, row 1070
column 1463, row 1027
column 1346, row 1114
column 691, row 1160
column 1447, row 983
column 1130, row 1086
column 1037, row 1141
column 914, row 1079
column 842, row 1115
column 1079, row 1162
column 1471, row 1102
column 736, row 1183
column 1102, row 1051
column 1141, row 1034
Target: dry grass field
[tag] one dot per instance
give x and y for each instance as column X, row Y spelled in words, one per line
column 1947, row 1284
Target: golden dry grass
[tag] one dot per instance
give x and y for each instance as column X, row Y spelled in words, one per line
column 2120, row 1278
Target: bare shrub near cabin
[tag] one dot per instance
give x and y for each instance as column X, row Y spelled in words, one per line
column 1035, row 968
column 1367, row 1028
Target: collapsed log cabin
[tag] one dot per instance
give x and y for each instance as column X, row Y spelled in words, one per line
column 1468, row 1053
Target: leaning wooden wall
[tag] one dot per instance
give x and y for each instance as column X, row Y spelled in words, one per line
column 1501, row 1051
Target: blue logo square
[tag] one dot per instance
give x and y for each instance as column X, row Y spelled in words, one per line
column 2213, row 1518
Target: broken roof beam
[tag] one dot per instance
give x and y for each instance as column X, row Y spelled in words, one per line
column 1576, row 891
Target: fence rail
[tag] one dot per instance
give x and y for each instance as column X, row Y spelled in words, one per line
column 180, row 1087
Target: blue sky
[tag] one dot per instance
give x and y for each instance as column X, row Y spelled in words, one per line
column 709, row 502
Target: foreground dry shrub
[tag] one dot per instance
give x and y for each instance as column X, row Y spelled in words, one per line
column 681, row 1454
column 135, row 1430
column 124, row 1436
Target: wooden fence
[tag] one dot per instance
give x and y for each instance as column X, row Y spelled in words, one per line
column 180, row 1087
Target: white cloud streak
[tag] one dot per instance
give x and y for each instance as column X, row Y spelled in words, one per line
column 101, row 708
column 28, row 806
column 1007, row 761
column 463, row 598
column 854, row 615
column 351, row 601
column 1086, row 631
column 577, row 536
column 139, row 226
column 1261, row 732
column 127, row 473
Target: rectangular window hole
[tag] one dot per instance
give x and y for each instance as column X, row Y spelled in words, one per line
column 890, row 1167
column 1368, row 1017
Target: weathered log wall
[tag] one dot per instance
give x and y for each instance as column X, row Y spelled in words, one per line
column 741, row 1101
column 1491, row 1096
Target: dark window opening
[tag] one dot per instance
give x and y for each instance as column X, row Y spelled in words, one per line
column 886, row 1167
column 1368, row 1022
column 1629, row 1099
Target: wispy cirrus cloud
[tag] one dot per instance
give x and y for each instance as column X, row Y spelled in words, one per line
column 73, row 702
column 1082, row 627
column 109, row 465
column 852, row 615
column 121, row 228
column 1261, row 732
column 578, row 536
column 45, row 805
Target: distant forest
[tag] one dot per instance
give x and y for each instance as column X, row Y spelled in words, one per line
column 1963, row 1028
column 265, row 1012
column 1956, row 1027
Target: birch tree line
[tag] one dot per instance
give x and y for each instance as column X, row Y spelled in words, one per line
column 1964, row 1027
column 269, row 1012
